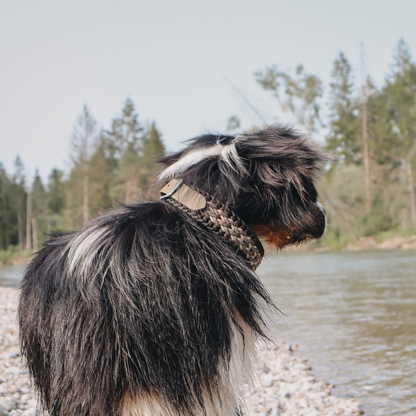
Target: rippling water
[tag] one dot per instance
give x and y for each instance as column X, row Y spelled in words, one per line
column 354, row 317
column 11, row 276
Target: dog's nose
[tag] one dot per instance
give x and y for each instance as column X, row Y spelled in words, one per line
column 321, row 207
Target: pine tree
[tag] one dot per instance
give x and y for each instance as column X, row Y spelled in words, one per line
column 18, row 204
column 40, row 210
column 126, row 131
column 398, row 121
column 56, row 191
column 364, row 131
column 81, row 144
column 73, row 211
column 125, row 139
column 343, row 139
column 153, row 149
column 56, row 204
column 101, row 171
column 4, row 209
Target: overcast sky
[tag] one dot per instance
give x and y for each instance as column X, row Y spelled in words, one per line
column 170, row 58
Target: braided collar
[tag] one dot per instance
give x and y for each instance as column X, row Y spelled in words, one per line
column 216, row 217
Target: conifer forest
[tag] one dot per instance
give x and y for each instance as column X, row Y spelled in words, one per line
column 367, row 188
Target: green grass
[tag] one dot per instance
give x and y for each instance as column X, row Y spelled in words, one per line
column 387, row 235
column 339, row 239
column 337, row 242
column 13, row 255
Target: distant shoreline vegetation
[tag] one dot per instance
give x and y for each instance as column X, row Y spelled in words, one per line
column 108, row 168
column 368, row 188
column 13, row 256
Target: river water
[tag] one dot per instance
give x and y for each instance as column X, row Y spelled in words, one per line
column 10, row 276
column 352, row 314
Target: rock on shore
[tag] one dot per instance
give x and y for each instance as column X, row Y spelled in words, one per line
column 16, row 394
column 285, row 384
column 286, row 387
column 395, row 243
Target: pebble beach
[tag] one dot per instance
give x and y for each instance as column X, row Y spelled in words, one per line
column 285, row 382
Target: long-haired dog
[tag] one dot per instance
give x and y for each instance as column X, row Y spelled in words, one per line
column 154, row 309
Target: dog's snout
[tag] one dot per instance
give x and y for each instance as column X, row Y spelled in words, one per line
column 320, row 220
column 321, row 207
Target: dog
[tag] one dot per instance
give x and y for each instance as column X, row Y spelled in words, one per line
column 155, row 309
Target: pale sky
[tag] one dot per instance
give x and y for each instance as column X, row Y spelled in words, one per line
column 170, row 58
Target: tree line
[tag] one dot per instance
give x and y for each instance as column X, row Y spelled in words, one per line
column 107, row 167
column 368, row 187
column 372, row 133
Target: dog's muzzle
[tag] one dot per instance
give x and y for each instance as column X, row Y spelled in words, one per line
column 312, row 226
column 324, row 214
column 315, row 222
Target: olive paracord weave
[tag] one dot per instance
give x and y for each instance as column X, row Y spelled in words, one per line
column 225, row 223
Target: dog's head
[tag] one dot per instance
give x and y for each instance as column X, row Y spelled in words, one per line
column 266, row 177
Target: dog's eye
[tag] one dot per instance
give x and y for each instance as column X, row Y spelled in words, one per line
column 309, row 191
column 312, row 193
column 296, row 195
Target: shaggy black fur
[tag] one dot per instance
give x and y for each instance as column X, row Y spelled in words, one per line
column 273, row 187
column 141, row 299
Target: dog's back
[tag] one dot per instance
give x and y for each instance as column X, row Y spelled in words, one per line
column 139, row 313
column 155, row 309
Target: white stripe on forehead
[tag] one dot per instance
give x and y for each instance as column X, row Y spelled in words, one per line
column 228, row 153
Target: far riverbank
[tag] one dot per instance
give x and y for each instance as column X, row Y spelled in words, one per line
column 16, row 258
column 362, row 244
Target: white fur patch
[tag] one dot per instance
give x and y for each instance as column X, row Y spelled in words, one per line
column 228, row 153
column 84, row 249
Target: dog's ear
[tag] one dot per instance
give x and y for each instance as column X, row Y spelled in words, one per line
column 281, row 158
column 268, row 164
column 275, row 148
column 212, row 148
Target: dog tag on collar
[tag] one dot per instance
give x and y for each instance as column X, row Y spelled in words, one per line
column 184, row 194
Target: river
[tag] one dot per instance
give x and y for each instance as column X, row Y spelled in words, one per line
column 352, row 314
column 10, row 276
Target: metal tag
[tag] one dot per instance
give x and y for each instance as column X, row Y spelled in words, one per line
column 184, row 194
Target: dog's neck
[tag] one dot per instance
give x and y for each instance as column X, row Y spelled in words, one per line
column 216, row 217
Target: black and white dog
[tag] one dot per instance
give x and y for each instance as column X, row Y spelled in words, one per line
column 155, row 309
